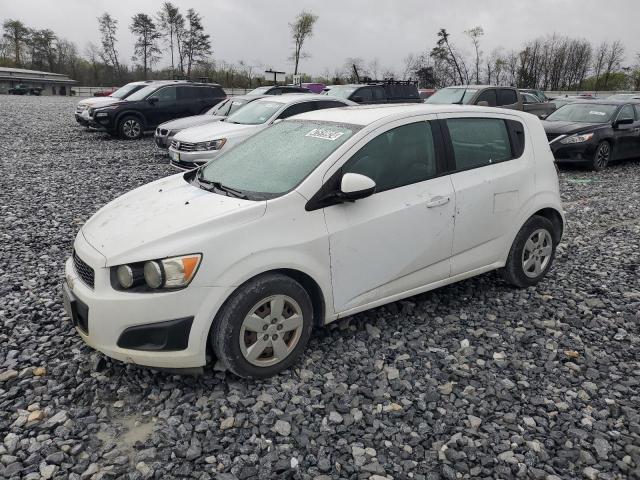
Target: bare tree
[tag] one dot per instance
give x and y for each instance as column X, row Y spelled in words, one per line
column 147, row 36
column 108, row 27
column 474, row 34
column 446, row 47
column 613, row 59
column 301, row 29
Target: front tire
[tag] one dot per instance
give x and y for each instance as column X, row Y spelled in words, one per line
column 263, row 327
column 130, row 128
column 531, row 254
column 601, row 157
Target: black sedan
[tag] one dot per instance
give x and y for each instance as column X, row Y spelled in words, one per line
column 594, row 132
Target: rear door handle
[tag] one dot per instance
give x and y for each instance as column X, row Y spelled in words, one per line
column 437, row 201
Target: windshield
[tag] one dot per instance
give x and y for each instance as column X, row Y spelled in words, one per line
column 277, row 159
column 341, row 92
column 452, row 95
column 142, row 93
column 125, row 91
column 259, row 91
column 583, row 113
column 255, row 113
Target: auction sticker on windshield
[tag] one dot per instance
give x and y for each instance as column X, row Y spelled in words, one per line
column 593, row 112
column 324, row 134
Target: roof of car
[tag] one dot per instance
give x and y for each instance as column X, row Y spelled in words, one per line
column 604, row 101
column 367, row 114
column 179, row 82
column 479, row 87
column 302, row 97
column 249, row 97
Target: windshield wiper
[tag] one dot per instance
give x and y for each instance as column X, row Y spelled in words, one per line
column 219, row 186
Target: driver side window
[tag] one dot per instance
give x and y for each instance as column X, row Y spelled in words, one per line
column 626, row 112
column 401, row 156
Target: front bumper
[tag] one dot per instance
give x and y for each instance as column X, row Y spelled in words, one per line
column 112, row 315
column 573, row 153
column 190, row 160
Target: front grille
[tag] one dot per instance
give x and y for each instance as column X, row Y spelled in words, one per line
column 85, row 272
column 183, row 146
column 552, row 136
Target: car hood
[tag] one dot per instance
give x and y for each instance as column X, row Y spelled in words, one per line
column 163, row 218
column 193, row 121
column 567, row 128
column 98, row 101
column 215, row 130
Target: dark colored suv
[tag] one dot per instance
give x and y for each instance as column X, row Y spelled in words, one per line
column 378, row 92
column 155, row 104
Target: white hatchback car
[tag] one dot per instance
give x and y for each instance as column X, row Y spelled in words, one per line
column 195, row 146
column 315, row 218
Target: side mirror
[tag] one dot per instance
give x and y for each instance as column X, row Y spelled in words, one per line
column 622, row 121
column 354, row 186
column 482, row 103
column 154, row 100
column 543, row 116
column 277, row 120
column 358, row 99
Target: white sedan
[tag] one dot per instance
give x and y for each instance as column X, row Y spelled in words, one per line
column 195, row 146
column 315, row 218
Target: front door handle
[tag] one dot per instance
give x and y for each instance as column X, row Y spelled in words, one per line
column 437, row 201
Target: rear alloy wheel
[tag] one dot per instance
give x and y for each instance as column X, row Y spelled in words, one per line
column 531, row 254
column 263, row 327
column 130, row 128
column 601, row 157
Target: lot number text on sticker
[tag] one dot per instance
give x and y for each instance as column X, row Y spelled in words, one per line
column 324, row 134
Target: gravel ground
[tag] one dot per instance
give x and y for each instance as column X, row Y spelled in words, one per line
column 475, row 380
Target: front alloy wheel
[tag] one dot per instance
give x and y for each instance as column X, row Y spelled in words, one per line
column 271, row 331
column 263, row 327
column 130, row 128
column 601, row 157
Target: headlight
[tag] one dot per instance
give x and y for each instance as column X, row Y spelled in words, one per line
column 577, row 138
column 210, row 145
column 174, row 272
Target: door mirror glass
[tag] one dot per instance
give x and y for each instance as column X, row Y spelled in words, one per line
column 355, row 186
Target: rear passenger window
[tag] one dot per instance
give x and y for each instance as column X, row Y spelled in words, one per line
column 210, row 92
column 478, row 142
column 378, row 94
column 398, row 157
column 506, row 96
column 488, row 96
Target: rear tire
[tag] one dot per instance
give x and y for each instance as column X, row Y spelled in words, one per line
column 263, row 327
column 531, row 254
column 130, row 128
column 601, row 157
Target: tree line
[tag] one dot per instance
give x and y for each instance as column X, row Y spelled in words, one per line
column 554, row 62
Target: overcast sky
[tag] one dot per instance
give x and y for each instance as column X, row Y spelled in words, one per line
column 256, row 31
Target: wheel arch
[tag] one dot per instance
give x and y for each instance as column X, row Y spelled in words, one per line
column 311, row 286
column 132, row 113
column 556, row 220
